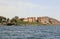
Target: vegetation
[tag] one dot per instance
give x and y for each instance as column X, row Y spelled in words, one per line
column 20, row 21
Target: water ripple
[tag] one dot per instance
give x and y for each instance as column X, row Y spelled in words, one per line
column 29, row 32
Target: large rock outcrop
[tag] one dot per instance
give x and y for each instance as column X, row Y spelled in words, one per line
column 48, row 20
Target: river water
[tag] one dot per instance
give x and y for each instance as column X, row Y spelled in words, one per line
column 29, row 32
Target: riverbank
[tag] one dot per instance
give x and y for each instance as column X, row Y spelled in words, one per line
column 29, row 21
column 31, row 25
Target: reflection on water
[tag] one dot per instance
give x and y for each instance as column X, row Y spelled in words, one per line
column 29, row 32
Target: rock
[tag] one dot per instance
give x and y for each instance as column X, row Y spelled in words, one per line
column 48, row 20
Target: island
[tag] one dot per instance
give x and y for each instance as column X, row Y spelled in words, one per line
column 44, row 20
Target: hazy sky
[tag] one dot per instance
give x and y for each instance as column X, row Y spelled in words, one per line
column 26, row 8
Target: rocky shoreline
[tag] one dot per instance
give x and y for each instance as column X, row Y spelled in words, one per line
column 45, row 20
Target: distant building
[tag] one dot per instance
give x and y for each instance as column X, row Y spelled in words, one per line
column 25, row 20
column 31, row 19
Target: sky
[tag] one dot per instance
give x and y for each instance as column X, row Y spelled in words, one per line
column 30, row 8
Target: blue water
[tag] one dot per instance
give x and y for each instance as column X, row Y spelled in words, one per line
column 29, row 32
